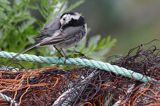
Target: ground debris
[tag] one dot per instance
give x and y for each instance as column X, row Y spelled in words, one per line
column 86, row 86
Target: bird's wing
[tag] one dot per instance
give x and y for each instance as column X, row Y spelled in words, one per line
column 58, row 37
column 67, row 34
column 49, row 29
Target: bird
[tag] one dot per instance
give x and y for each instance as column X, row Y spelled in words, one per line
column 62, row 32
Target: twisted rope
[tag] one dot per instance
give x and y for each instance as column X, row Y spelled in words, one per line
column 9, row 99
column 81, row 62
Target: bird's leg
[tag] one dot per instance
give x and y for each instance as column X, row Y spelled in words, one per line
column 81, row 54
column 64, row 55
column 61, row 52
column 58, row 51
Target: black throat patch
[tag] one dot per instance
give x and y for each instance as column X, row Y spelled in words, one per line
column 75, row 23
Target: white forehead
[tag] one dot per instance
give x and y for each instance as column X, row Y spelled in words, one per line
column 73, row 16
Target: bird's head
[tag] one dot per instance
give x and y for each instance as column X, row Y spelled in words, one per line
column 71, row 19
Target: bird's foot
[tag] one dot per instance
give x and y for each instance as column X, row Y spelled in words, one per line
column 79, row 54
column 63, row 58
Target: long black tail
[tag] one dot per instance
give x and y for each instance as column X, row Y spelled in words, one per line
column 30, row 48
column 43, row 42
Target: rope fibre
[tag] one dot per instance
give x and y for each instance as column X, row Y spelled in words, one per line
column 81, row 62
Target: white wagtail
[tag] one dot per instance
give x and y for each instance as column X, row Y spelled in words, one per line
column 63, row 32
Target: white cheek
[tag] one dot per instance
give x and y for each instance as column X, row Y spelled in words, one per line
column 62, row 22
column 68, row 19
column 76, row 17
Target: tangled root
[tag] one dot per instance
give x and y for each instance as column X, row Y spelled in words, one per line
column 86, row 86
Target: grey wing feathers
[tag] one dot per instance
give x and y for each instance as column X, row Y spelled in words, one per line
column 74, row 32
column 69, row 35
column 49, row 29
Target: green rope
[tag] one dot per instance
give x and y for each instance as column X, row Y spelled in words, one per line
column 81, row 62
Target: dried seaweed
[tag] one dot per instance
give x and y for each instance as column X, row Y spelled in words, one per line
column 85, row 86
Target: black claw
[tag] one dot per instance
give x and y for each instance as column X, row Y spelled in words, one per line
column 82, row 55
column 65, row 58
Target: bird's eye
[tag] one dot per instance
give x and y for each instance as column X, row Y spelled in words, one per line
column 64, row 19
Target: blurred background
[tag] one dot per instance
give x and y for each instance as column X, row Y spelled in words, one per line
column 131, row 22
column 121, row 24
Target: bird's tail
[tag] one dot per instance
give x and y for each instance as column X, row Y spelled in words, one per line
column 30, row 48
column 43, row 42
